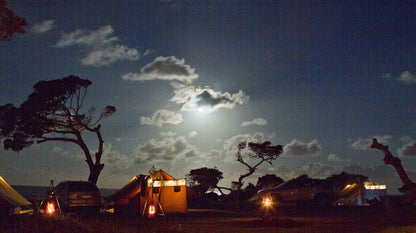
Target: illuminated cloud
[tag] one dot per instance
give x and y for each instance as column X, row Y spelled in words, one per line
column 408, row 149
column 109, row 55
column 296, row 147
column 164, row 68
column 192, row 134
column 336, row 159
column 406, row 77
column 43, row 26
column 114, row 158
column 101, row 48
column 96, row 38
column 365, row 144
column 313, row 170
column 167, row 134
column 194, row 99
column 256, row 121
column 167, row 149
column 230, row 146
column 161, row 117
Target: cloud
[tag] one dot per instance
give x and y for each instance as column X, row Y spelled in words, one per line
column 296, row 147
column 164, row 68
column 109, row 55
column 95, row 38
column 408, row 149
column 43, row 26
column 195, row 99
column 406, row 77
column 230, row 146
column 167, row 134
column 161, row 117
column 405, row 139
column 115, row 158
column 314, row 170
column 192, row 134
column 335, row 158
column 167, row 149
column 365, row 144
column 101, row 46
column 256, row 121
column 57, row 149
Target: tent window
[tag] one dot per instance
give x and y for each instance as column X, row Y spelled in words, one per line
column 155, row 190
column 176, row 189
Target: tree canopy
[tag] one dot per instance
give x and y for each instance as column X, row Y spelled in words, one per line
column 262, row 152
column 268, row 181
column 204, row 179
column 10, row 23
column 53, row 113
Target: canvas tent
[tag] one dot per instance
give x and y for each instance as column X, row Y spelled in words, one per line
column 360, row 193
column 10, row 199
column 157, row 188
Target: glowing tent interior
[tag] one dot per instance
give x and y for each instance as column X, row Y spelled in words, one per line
column 159, row 189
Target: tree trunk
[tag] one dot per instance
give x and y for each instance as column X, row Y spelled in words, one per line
column 409, row 187
column 95, row 171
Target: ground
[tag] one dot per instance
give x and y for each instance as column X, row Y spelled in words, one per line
column 290, row 220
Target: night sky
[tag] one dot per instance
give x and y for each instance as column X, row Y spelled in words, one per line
column 190, row 79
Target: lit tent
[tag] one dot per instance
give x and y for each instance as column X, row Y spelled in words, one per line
column 359, row 193
column 10, row 199
column 159, row 189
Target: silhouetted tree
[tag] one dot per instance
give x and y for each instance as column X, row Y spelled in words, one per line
column 263, row 152
column 53, row 113
column 10, row 23
column 268, row 181
column 409, row 187
column 204, row 179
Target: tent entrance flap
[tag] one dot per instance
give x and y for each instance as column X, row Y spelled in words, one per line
column 10, row 198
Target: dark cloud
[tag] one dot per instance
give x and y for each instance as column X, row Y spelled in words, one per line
column 194, row 99
column 164, row 68
column 408, row 149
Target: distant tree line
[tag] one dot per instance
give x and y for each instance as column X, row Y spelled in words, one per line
column 205, row 182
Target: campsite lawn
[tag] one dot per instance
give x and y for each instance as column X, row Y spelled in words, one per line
column 335, row 220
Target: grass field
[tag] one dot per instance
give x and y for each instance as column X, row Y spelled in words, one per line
column 209, row 221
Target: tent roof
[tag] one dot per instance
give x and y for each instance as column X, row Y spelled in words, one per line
column 9, row 197
column 160, row 175
column 128, row 190
column 133, row 187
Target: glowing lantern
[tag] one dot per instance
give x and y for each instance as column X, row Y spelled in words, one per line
column 267, row 202
column 50, row 208
column 152, row 210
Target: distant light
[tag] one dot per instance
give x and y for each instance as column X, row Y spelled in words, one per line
column 201, row 109
column 267, row 202
column 375, row 187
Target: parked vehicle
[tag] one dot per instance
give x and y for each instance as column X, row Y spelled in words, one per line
column 301, row 190
column 76, row 196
